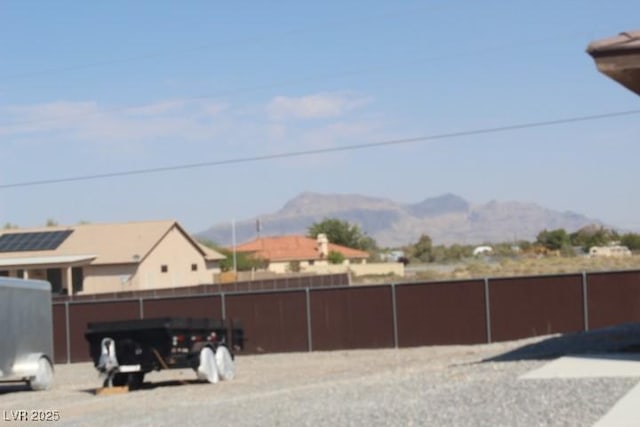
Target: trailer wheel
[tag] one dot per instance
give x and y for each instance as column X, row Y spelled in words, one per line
column 133, row 380
column 207, row 369
column 225, row 364
column 44, row 375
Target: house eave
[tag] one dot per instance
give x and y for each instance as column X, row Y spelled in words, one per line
column 619, row 58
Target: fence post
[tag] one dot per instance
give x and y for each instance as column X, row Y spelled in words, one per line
column 487, row 301
column 394, row 310
column 308, row 304
column 585, row 300
column 223, row 307
column 67, row 329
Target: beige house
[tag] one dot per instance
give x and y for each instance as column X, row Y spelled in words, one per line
column 287, row 254
column 97, row 258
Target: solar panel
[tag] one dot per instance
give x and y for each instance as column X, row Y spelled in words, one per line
column 37, row 241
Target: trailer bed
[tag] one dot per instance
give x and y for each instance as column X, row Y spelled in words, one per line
column 124, row 351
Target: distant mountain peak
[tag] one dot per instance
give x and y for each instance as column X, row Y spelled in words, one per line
column 447, row 218
column 439, row 205
column 309, row 203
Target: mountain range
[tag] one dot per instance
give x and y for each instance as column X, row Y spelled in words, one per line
column 447, row 219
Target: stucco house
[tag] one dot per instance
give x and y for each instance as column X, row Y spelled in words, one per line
column 97, row 258
column 284, row 252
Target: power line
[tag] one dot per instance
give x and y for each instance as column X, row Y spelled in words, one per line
column 353, row 147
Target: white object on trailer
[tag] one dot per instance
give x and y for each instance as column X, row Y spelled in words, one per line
column 26, row 332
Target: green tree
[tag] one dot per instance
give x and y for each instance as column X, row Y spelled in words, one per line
column 342, row 233
column 458, row 252
column 422, row 249
column 590, row 236
column 554, row 239
column 335, row 257
column 631, row 240
column 51, row 223
column 9, row 226
column 244, row 261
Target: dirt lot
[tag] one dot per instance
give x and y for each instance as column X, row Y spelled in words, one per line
column 434, row 385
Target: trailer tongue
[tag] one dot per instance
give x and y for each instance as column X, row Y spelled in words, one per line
column 124, row 351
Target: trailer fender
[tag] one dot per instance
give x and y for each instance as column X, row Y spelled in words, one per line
column 208, row 369
column 224, row 363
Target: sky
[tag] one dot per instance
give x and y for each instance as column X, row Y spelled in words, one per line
column 100, row 88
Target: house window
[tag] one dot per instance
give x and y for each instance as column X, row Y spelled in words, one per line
column 194, row 267
column 311, row 262
column 164, row 268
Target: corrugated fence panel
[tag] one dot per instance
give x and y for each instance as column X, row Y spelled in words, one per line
column 441, row 313
column 530, row 306
column 59, row 333
column 614, row 298
column 82, row 313
column 348, row 318
column 273, row 322
column 196, row 306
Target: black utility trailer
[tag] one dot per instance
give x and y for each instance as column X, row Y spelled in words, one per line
column 124, row 351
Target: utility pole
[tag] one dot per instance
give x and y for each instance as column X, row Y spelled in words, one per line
column 233, row 239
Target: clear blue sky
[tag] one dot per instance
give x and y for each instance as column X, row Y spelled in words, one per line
column 99, row 87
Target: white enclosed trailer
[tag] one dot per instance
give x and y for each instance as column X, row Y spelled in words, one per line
column 26, row 332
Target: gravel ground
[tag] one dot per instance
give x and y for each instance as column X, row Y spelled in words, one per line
column 432, row 386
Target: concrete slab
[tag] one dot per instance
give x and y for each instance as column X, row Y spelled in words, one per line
column 589, row 366
column 625, row 413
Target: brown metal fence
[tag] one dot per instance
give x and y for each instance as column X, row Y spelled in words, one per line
column 613, row 298
column 272, row 321
column 358, row 317
column 319, row 317
column 441, row 313
column 523, row 307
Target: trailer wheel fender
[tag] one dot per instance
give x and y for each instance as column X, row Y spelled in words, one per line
column 225, row 364
column 207, row 369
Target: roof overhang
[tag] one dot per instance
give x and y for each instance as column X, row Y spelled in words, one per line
column 46, row 261
column 619, row 58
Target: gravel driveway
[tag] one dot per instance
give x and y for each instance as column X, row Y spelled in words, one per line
column 432, row 386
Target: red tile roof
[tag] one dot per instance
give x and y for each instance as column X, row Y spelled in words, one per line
column 294, row 248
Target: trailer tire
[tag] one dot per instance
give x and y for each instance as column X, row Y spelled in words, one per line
column 133, row 380
column 44, row 375
column 207, row 369
column 224, row 363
